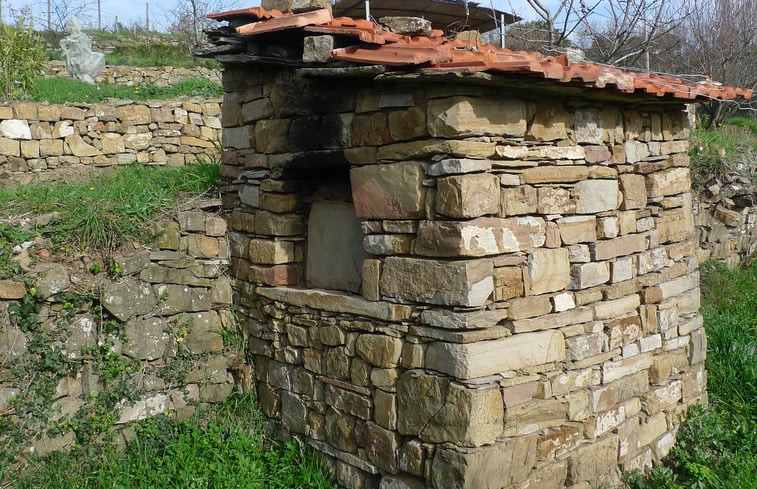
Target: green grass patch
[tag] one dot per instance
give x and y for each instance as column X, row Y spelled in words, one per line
column 111, row 207
column 743, row 122
column 716, row 152
column 228, row 446
column 717, row 447
column 66, row 90
column 156, row 54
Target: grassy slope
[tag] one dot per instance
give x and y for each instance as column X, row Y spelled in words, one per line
column 229, row 447
column 62, row 90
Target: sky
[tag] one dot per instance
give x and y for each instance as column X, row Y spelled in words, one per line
column 130, row 12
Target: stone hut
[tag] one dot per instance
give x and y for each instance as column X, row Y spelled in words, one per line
column 459, row 266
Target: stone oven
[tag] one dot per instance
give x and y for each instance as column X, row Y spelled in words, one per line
column 459, row 266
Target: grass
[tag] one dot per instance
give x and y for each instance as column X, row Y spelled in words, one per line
column 62, row 90
column 228, row 446
column 716, row 152
column 109, row 208
column 717, row 447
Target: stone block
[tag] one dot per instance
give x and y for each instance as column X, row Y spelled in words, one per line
column 407, row 124
column 458, row 166
column 585, row 275
column 675, row 225
column 10, row 289
column 551, row 121
column 668, row 182
column 430, row 147
column 389, row 191
column 548, row 270
column 555, row 201
column 634, row 191
column 500, row 465
column 460, row 283
column 479, row 237
column 555, row 174
column 588, row 126
column 388, row 244
column 468, row 116
column 594, row 196
column 9, row 147
column 521, row 199
column 597, row 461
column 379, row 350
column 434, row 409
column 472, row 360
column 621, row 246
column 618, row 369
column 577, row 229
column 465, row 196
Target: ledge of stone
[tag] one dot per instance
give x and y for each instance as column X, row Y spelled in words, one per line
column 334, row 301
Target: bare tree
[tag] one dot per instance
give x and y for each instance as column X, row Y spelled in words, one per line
column 720, row 41
column 611, row 31
column 189, row 18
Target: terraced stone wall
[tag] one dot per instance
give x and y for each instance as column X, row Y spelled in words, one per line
column 525, row 310
column 89, row 345
column 161, row 76
column 48, row 142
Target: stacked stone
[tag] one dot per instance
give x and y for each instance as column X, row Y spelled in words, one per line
column 528, row 294
column 36, row 138
column 162, row 76
column 725, row 214
column 173, row 301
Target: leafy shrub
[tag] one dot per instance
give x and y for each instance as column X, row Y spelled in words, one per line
column 22, row 58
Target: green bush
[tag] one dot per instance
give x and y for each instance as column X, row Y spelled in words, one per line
column 22, row 58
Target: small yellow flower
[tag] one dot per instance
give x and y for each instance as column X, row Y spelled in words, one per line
column 91, row 188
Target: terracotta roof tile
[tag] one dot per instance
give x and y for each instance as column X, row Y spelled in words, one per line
column 283, row 22
column 438, row 52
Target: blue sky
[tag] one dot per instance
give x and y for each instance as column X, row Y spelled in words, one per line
column 129, row 12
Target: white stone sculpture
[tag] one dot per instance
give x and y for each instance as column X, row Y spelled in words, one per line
column 81, row 62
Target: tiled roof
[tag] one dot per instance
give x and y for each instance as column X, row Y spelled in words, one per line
column 374, row 45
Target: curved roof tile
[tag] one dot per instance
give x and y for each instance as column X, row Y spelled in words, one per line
column 437, row 52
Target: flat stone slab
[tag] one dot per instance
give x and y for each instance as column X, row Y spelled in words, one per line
column 472, row 360
column 336, row 302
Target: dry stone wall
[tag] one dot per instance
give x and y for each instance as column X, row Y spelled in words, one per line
column 451, row 286
column 36, row 139
column 725, row 213
column 162, row 76
column 86, row 347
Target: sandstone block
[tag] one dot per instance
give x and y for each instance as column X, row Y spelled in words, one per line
column 407, row 124
column 389, row 191
column 585, row 275
column 379, row 350
column 434, row 409
column 597, row 461
column 79, row 148
column 668, row 182
column 521, row 199
column 471, row 195
column 551, row 122
column 596, row 196
column 471, row 360
column 387, row 244
column 621, row 246
column 479, row 237
column 504, row 463
column 461, row 283
column 430, row 147
column 615, row 370
column 555, row 174
column 577, row 229
column 468, row 116
column 457, row 166
column 548, row 270
column 634, row 191
column 10, row 289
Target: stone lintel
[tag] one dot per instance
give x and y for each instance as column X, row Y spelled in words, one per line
column 336, row 302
